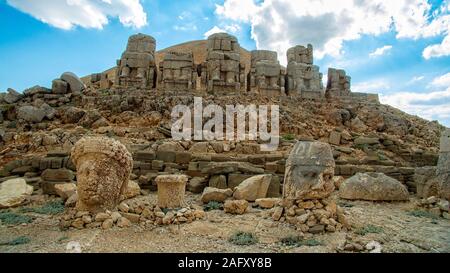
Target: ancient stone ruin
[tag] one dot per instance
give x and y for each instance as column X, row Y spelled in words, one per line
column 178, row 72
column 303, row 78
column 222, row 72
column 171, row 190
column 103, row 169
column 338, row 83
column 443, row 166
column 267, row 76
column 137, row 66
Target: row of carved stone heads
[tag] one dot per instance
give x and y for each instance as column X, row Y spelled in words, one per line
column 224, row 72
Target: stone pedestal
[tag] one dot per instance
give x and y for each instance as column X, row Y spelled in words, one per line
column 171, row 190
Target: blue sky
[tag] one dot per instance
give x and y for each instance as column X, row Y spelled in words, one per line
column 400, row 49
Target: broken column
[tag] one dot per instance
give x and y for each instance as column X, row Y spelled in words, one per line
column 443, row 167
column 178, row 72
column 338, row 84
column 303, row 77
column 171, row 190
column 309, row 171
column 103, row 168
column 267, row 76
column 137, row 67
column 222, row 71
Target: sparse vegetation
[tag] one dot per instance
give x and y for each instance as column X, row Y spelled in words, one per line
column 298, row 241
column 423, row 214
column 51, row 208
column 288, row 137
column 213, row 205
column 21, row 240
column 368, row 229
column 63, row 238
column 243, row 238
column 11, row 218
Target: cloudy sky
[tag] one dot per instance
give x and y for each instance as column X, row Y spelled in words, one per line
column 397, row 48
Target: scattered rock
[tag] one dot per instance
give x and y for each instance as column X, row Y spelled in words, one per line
column 235, row 206
column 14, row 192
column 214, row 194
column 253, row 188
column 267, row 203
column 65, row 190
column 373, row 187
column 75, row 84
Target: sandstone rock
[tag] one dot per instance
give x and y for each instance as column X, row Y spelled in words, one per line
column 65, row 190
column 115, row 216
column 72, row 200
column 101, row 217
column 78, row 223
column 218, row 181
column 75, row 84
column 59, row 86
column 57, row 175
column 12, row 96
column 214, row 194
column 103, row 169
column 107, row 224
column 134, row 218
column 14, row 192
column 123, row 222
column 132, row 190
column 309, row 171
column 235, row 206
column 253, row 188
column 31, row 114
column 373, row 187
column 277, row 213
column 196, row 185
column 72, row 115
column 366, row 141
column 267, row 203
column 36, row 90
column 123, row 207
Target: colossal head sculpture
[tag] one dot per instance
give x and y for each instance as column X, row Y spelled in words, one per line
column 137, row 67
column 303, row 78
column 309, row 171
column 177, row 72
column 103, row 169
column 266, row 75
column 338, row 83
column 223, row 73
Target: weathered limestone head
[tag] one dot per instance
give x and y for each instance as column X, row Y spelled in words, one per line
column 263, row 55
column 300, row 54
column 223, row 42
column 141, row 43
column 103, row 169
column 309, row 171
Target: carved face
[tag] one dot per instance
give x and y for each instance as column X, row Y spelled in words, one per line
column 307, row 182
column 100, row 182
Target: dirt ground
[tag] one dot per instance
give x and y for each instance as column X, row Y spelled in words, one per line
column 400, row 232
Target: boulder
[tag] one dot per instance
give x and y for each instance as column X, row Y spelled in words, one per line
column 267, row 203
column 31, row 113
column 196, row 184
column 132, row 190
column 75, row 84
column 14, row 192
column 72, row 115
column 12, row 96
column 235, row 206
column 36, row 90
column 214, row 194
column 59, row 86
column 309, row 171
column 57, row 175
column 218, row 181
column 253, row 188
column 65, row 190
column 373, row 187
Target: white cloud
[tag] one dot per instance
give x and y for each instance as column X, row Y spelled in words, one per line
column 442, row 81
column 280, row 24
column 185, row 27
column 374, row 86
column 431, row 105
column 66, row 14
column 212, row 31
column 380, row 51
column 415, row 80
column 437, row 50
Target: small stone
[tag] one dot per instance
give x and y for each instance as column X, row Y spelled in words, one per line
column 123, row 207
column 267, row 203
column 160, row 214
column 87, row 219
column 443, row 205
column 123, row 222
column 316, row 229
column 101, row 217
column 134, row 218
column 277, row 213
column 199, row 214
column 235, row 206
column 107, row 224
column 80, row 214
column 431, row 200
column 78, row 223
column 115, row 216
column 435, row 211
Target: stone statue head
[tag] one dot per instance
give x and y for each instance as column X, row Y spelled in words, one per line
column 103, row 169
